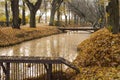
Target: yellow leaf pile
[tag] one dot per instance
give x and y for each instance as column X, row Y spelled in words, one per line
column 98, row 58
column 97, row 73
column 101, row 49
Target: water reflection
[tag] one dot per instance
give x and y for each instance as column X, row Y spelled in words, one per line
column 62, row 45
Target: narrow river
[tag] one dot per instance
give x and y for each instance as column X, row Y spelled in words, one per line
column 61, row 45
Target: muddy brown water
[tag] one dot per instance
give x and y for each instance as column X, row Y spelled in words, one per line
column 61, row 45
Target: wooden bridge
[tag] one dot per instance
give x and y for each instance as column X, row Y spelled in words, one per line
column 26, row 68
column 78, row 28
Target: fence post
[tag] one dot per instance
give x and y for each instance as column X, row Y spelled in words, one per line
column 7, row 75
column 49, row 72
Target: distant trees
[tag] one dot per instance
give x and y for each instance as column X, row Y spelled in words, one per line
column 4, row 5
column 33, row 7
column 6, row 13
column 43, row 10
column 94, row 12
column 40, row 16
column 65, row 12
column 85, row 9
column 55, row 6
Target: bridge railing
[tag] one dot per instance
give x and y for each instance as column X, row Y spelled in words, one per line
column 78, row 28
column 33, row 68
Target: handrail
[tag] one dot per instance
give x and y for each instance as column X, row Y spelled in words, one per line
column 30, row 59
column 43, row 60
column 78, row 28
column 70, row 64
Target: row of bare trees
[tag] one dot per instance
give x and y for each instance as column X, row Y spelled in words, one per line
column 33, row 7
column 95, row 12
column 87, row 10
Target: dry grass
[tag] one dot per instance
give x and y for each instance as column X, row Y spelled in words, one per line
column 99, row 57
column 9, row 36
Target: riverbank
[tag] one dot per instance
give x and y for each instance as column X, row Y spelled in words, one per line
column 99, row 57
column 9, row 36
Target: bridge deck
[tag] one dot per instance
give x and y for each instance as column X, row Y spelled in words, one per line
column 77, row 28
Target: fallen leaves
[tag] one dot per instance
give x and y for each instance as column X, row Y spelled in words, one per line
column 9, row 36
column 101, row 49
column 99, row 57
column 98, row 73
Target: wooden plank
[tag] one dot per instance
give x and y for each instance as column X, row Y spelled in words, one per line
column 26, row 59
column 70, row 64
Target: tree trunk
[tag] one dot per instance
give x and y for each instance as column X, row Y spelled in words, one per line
column 75, row 19
column 33, row 9
column 45, row 4
column 39, row 19
column 32, row 19
column 15, row 14
column 6, row 12
column 52, row 17
column 66, row 20
column 69, row 16
column 119, row 15
column 45, row 16
column 58, row 17
column 23, row 14
column 113, row 19
column 55, row 6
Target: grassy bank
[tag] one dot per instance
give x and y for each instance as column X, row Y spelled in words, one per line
column 9, row 36
column 99, row 57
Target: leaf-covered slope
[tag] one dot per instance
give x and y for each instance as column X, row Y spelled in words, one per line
column 101, row 49
column 99, row 57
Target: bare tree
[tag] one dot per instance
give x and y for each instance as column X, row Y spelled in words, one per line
column 43, row 10
column 55, row 6
column 40, row 16
column 85, row 9
column 65, row 12
column 33, row 9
